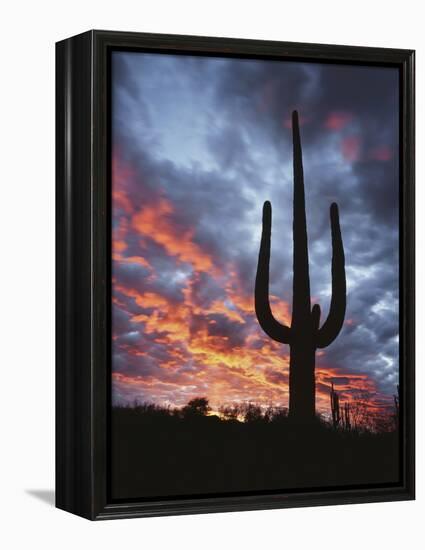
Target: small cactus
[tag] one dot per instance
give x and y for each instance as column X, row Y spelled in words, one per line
column 304, row 335
column 346, row 416
column 397, row 406
column 336, row 414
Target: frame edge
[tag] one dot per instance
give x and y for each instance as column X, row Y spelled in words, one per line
column 74, row 464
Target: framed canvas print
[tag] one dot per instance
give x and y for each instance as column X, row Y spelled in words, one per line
column 235, row 264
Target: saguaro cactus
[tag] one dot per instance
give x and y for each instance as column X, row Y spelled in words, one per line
column 336, row 417
column 346, row 416
column 397, row 406
column 304, row 335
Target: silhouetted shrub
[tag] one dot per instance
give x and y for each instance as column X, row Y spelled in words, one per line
column 196, row 407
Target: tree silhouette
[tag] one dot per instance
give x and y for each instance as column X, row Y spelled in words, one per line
column 252, row 413
column 199, row 406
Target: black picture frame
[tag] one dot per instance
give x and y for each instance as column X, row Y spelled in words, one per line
column 83, row 266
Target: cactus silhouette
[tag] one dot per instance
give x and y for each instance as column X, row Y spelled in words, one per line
column 346, row 416
column 336, row 416
column 304, row 335
column 397, row 406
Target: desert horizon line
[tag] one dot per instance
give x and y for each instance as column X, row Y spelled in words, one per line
column 166, row 404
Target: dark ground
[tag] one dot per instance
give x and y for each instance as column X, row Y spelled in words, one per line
column 158, row 455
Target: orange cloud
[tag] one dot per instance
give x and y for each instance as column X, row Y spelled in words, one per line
column 337, row 120
column 166, row 316
column 120, row 176
column 382, row 153
column 229, row 371
column 218, row 306
column 155, row 221
column 138, row 260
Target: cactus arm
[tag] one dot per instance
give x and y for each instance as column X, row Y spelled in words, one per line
column 333, row 324
column 268, row 323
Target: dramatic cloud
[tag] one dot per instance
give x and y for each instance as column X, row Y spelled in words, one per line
column 199, row 143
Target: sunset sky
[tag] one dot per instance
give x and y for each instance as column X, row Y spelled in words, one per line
column 198, row 144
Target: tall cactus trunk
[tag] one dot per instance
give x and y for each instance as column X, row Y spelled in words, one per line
column 302, row 395
column 302, row 353
column 304, row 335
